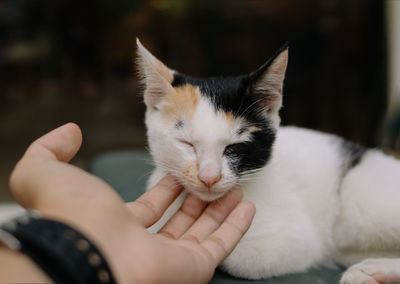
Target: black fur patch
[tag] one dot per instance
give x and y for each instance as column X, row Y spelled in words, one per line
column 253, row 155
column 232, row 94
column 353, row 153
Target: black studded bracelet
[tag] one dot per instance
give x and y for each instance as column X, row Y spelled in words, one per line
column 62, row 252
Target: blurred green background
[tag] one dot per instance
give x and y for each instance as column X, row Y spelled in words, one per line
column 69, row 60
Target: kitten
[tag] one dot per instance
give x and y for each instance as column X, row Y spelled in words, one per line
column 320, row 200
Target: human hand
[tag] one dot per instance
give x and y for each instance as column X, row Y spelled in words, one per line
column 187, row 250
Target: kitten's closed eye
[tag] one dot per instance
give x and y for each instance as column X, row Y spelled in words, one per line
column 187, row 143
column 232, row 149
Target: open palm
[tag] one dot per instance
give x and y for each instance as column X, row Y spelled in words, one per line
column 186, row 250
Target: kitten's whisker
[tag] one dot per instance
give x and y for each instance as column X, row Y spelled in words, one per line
column 145, row 175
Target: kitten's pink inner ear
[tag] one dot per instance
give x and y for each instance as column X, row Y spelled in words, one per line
column 271, row 81
column 270, row 84
column 279, row 65
column 155, row 75
column 149, row 63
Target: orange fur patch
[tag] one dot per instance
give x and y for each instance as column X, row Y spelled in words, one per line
column 229, row 117
column 189, row 170
column 183, row 101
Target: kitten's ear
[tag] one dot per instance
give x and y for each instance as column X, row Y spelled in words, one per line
column 267, row 82
column 155, row 75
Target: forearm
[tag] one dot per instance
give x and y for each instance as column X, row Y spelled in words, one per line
column 16, row 267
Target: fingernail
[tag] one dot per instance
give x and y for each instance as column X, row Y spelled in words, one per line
column 252, row 207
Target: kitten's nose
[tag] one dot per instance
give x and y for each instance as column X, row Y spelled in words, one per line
column 209, row 181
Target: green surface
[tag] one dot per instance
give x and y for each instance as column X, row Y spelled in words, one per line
column 127, row 172
column 314, row 276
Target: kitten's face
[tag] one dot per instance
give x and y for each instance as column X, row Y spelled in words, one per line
column 211, row 133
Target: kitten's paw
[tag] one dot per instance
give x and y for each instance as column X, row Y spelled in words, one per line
column 357, row 277
column 373, row 271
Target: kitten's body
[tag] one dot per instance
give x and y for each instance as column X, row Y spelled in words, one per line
column 314, row 207
column 320, row 200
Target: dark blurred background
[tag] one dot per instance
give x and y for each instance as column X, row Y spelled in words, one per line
column 70, row 60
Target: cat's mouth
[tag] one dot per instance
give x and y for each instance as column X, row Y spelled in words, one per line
column 207, row 196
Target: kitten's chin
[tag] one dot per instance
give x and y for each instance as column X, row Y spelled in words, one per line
column 207, row 196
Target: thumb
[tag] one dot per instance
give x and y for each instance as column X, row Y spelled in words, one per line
column 60, row 144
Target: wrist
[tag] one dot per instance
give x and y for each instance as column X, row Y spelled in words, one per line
column 61, row 251
column 114, row 235
column 18, row 268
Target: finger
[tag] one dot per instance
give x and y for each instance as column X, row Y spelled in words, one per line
column 190, row 210
column 221, row 243
column 213, row 216
column 60, row 144
column 149, row 207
